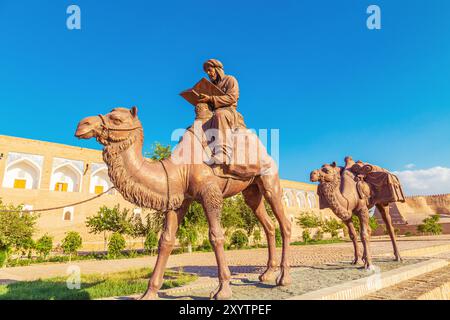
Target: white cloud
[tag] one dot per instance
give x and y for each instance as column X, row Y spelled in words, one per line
column 410, row 166
column 430, row 181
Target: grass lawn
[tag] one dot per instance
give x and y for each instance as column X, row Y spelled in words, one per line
column 93, row 286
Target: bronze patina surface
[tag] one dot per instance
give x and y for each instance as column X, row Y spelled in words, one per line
column 353, row 190
column 171, row 186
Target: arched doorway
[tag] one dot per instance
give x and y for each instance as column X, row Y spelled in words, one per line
column 66, row 179
column 100, row 182
column 22, row 174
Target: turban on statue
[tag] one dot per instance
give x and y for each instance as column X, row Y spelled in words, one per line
column 216, row 64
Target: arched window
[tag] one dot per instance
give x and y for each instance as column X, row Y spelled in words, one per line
column 312, row 200
column 66, row 179
column 100, row 182
column 286, row 199
column 301, row 199
column 22, row 174
column 68, row 214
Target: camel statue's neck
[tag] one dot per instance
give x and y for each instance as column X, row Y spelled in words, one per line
column 337, row 202
column 137, row 179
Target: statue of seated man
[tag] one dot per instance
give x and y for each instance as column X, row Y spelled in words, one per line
column 225, row 117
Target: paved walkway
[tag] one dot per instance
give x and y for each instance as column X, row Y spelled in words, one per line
column 240, row 261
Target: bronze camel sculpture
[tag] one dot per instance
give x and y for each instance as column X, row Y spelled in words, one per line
column 170, row 187
column 339, row 191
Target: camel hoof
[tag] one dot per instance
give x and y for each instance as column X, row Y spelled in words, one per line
column 284, row 279
column 223, row 293
column 398, row 259
column 355, row 261
column 148, row 296
column 268, row 275
column 370, row 267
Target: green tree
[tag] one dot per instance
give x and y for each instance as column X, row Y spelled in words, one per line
column 309, row 220
column 27, row 247
column 231, row 216
column 373, row 223
column 193, row 227
column 44, row 245
column 306, row 235
column 71, row 243
column 116, row 244
column 248, row 217
column 278, row 237
column 110, row 220
column 151, row 241
column 257, row 236
column 15, row 229
column 239, row 239
column 159, row 151
column 332, row 226
column 430, row 225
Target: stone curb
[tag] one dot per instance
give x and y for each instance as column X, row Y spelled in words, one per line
column 361, row 287
column 425, row 251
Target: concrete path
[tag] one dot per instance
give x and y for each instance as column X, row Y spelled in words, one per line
column 240, row 261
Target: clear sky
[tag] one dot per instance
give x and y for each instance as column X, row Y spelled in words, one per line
column 311, row 69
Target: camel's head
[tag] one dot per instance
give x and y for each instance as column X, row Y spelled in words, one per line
column 328, row 173
column 116, row 126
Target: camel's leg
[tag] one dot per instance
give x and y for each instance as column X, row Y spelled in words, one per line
column 255, row 200
column 365, row 236
column 270, row 185
column 384, row 210
column 212, row 202
column 166, row 243
column 354, row 238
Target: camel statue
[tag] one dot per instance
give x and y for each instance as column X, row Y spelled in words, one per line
column 171, row 187
column 346, row 191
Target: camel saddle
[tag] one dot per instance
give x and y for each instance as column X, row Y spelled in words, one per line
column 377, row 183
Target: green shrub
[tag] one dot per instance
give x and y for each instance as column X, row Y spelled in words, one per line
column 278, row 238
column 116, row 244
column 408, row 234
column 44, row 245
column 332, row 226
column 205, row 246
column 257, row 237
column 306, row 236
column 430, row 225
column 308, row 220
column 239, row 239
column 319, row 235
column 71, row 243
column 15, row 228
column 3, row 256
column 373, row 223
column 27, row 247
column 151, row 241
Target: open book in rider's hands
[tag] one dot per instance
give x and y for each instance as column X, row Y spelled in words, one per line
column 204, row 86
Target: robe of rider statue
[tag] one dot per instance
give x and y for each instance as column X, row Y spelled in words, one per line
column 226, row 118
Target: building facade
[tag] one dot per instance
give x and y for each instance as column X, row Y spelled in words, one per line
column 38, row 174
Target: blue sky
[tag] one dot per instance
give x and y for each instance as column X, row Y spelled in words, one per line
column 309, row 68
